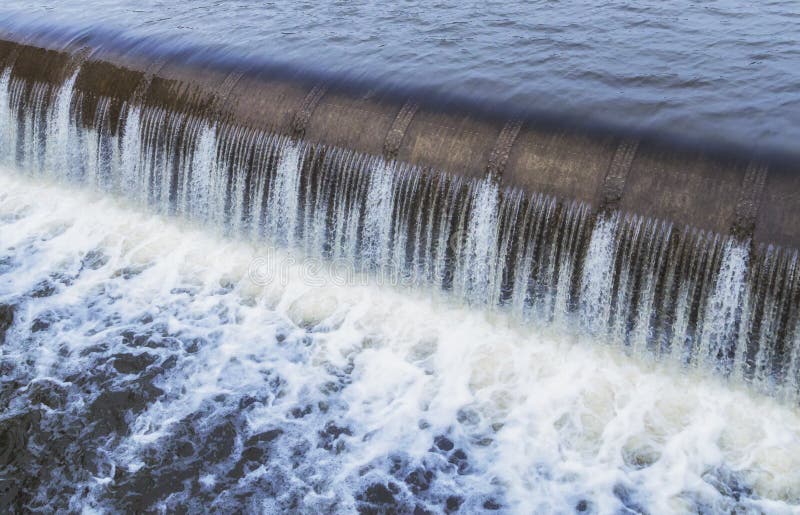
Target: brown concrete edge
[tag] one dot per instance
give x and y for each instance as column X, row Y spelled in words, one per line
column 608, row 171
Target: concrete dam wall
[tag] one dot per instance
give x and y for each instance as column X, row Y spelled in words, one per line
column 677, row 250
column 694, row 186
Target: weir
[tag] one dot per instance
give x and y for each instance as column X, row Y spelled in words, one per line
column 680, row 252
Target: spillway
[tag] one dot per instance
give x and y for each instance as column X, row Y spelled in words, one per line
column 682, row 252
column 232, row 285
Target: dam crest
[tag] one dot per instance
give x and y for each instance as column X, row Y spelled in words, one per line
column 684, row 255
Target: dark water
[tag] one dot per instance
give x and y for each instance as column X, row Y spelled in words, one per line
column 723, row 70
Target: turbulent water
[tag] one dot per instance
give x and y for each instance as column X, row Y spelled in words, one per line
column 152, row 364
column 693, row 298
column 725, row 69
column 199, row 315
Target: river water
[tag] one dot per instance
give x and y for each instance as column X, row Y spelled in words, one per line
column 724, row 70
column 194, row 317
column 151, row 365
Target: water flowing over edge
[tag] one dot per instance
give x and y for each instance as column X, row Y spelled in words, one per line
column 146, row 369
column 696, row 298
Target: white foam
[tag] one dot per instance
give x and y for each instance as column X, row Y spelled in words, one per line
column 544, row 419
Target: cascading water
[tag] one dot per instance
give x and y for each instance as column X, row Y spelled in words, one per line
column 130, row 153
column 476, row 273
column 372, row 394
column 284, row 192
column 378, row 217
column 58, row 130
column 6, row 124
column 598, row 279
column 724, row 311
column 649, row 287
column 204, row 181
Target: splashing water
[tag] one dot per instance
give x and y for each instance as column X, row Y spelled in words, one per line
column 651, row 288
column 148, row 365
column 144, row 369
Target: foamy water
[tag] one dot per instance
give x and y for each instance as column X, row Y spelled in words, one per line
column 151, row 364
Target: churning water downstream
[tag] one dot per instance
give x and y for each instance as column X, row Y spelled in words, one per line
column 147, row 366
column 196, row 314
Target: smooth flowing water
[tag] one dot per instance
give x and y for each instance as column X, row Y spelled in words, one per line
column 720, row 69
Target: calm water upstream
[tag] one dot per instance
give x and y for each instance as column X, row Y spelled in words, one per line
column 724, row 69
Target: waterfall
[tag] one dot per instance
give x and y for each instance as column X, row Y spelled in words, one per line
column 477, row 266
column 598, row 275
column 204, row 183
column 58, row 128
column 7, row 125
column 378, row 217
column 717, row 348
column 281, row 212
column 130, row 185
column 651, row 288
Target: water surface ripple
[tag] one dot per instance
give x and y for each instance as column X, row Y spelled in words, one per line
column 723, row 70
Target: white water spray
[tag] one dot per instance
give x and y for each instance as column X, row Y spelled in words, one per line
column 349, row 385
column 487, row 245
